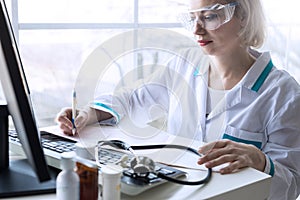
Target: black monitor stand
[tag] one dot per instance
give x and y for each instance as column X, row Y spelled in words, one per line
column 4, row 159
column 17, row 178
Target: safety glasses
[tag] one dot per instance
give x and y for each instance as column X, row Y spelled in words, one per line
column 210, row 18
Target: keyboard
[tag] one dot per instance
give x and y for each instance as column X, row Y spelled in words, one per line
column 54, row 145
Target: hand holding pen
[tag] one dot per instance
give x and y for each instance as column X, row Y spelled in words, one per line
column 72, row 120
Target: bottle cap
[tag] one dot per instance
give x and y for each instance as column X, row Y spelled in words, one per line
column 111, row 170
column 67, row 160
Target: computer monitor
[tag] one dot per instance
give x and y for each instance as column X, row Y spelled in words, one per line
column 32, row 175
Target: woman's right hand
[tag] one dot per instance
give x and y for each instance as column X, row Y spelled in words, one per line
column 64, row 120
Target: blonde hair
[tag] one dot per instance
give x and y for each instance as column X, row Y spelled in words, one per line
column 251, row 13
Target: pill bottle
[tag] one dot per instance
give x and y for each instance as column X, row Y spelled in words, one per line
column 111, row 182
column 67, row 181
column 88, row 175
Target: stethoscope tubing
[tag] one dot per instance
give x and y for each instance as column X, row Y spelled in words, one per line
column 125, row 146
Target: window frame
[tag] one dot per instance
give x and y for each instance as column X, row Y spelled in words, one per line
column 56, row 26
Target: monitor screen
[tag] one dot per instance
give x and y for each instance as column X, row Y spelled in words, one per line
column 19, row 177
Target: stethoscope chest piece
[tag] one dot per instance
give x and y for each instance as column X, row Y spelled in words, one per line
column 142, row 165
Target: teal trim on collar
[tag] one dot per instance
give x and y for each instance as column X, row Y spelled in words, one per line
column 257, row 144
column 109, row 109
column 196, row 72
column 262, row 77
column 272, row 168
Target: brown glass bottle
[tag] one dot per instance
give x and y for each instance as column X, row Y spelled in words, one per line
column 88, row 175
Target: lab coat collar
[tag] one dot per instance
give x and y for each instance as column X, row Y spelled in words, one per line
column 234, row 96
column 262, row 60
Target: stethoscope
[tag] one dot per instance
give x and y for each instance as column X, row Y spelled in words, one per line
column 142, row 165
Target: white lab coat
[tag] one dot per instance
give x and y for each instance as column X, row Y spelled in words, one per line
column 267, row 118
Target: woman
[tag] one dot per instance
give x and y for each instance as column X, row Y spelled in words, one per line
column 249, row 118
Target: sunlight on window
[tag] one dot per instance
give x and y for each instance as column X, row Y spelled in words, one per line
column 279, row 13
column 75, row 11
column 159, row 11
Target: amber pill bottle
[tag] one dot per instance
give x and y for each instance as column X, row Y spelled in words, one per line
column 88, row 175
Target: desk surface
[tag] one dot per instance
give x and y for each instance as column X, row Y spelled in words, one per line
column 245, row 184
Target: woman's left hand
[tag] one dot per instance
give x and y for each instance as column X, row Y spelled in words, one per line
column 237, row 155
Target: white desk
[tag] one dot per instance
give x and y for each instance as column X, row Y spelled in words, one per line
column 245, row 184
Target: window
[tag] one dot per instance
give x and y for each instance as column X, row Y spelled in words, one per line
column 56, row 36
column 283, row 35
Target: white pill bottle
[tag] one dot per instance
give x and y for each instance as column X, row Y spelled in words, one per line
column 67, row 181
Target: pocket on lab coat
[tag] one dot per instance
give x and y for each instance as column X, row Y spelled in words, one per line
column 243, row 136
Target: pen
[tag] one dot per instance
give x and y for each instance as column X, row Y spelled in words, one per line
column 74, row 111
